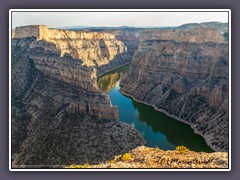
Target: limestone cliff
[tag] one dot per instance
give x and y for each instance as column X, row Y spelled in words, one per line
column 99, row 49
column 184, row 73
column 59, row 116
column 129, row 36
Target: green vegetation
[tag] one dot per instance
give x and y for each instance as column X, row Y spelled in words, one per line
column 126, row 157
column 182, row 149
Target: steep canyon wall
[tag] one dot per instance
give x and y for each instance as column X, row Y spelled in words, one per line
column 98, row 49
column 184, row 73
column 59, row 116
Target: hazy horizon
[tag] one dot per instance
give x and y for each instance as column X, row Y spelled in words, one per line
column 116, row 19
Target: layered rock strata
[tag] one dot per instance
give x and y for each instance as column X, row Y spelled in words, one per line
column 98, row 49
column 184, row 73
column 59, row 116
column 129, row 36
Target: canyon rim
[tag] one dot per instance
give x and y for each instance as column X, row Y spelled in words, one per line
column 81, row 93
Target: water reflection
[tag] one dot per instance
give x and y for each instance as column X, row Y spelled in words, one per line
column 176, row 132
column 157, row 128
column 109, row 80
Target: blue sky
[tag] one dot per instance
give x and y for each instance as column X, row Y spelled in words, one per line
column 63, row 19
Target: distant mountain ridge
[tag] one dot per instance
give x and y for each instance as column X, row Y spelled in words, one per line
column 212, row 24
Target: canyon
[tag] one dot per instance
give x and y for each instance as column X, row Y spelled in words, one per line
column 61, row 117
column 158, row 129
column 98, row 49
column 184, row 73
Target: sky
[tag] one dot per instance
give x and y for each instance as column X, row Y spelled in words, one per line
column 114, row 19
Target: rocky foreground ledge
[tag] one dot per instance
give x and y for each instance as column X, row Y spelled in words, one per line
column 145, row 157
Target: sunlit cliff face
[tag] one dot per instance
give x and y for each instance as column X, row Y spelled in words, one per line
column 93, row 48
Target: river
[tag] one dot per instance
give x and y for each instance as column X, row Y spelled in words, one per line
column 157, row 129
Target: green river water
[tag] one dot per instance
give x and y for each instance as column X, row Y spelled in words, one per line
column 156, row 128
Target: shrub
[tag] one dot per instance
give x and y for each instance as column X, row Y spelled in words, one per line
column 182, row 149
column 126, row 157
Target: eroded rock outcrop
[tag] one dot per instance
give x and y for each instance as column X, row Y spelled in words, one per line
column 184, row 73
column 98, row 49
column 59, row 116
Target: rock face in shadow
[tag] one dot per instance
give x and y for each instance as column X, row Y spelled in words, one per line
column 59, row 116
column 129, row 36
column 98, row 49
column 184, row 73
